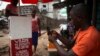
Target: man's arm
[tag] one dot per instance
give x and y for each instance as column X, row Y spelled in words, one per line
column 60, row 49
column 65, row 41
column 62, row 52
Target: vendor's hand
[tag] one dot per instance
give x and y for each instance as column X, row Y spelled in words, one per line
column 52, row 38
column 55, row 34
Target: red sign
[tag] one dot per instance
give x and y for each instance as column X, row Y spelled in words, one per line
column 21, row 47
column 31, row 1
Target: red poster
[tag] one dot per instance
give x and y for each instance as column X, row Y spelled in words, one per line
column 21, row 47
column 30, row 1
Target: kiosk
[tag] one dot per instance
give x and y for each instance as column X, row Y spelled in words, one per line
column 21, row 37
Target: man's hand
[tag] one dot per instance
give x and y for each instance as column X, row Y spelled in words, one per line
column 53, row 36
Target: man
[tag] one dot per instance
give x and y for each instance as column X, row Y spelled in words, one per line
column 86, row 41
column 35, row 29
column 11, row 9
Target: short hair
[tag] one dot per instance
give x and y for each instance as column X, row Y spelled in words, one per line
column 81, row 10
column 34, row 11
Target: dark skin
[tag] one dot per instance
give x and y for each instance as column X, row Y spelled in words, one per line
column 80, row 23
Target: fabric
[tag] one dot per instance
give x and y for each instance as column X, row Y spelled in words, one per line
column 35, row 38
column 35, row 26
column 87, row 42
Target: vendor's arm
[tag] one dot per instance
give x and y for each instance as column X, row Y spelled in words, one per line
column 64, row 52
column 65, row 41
column 61, row 50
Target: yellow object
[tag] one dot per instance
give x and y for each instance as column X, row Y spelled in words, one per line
column 51, row 45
